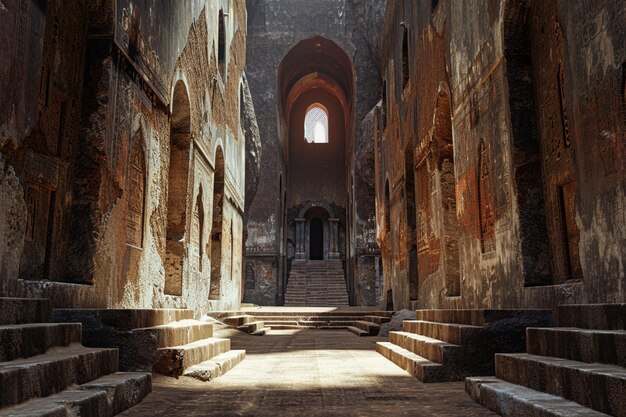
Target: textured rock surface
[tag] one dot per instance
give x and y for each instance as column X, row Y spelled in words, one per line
column 12, row 227
column 396, row 322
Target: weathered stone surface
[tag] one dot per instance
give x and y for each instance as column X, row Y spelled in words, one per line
column 510, row 400
column 12, row 226
column 24, row 310
column 25, row 340
column 43, row 375
column 396, row 323
column 97, row 102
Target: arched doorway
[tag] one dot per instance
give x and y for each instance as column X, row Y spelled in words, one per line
column 316, row 238
column 180, row 141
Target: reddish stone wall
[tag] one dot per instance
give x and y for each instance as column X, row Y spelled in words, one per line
column 534, row 114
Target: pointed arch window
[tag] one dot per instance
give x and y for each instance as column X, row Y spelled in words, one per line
column 316, row 124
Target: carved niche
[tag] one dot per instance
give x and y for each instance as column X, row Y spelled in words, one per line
column 135, row 186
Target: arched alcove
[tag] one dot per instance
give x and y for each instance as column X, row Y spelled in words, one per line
column 217, row 224
column 178, row 177
column 543, row 159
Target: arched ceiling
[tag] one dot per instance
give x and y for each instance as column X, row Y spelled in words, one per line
column 316, row 62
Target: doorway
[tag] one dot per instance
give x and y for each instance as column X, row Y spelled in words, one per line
column 317, row 240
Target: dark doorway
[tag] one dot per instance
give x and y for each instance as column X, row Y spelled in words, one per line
column 317, row 239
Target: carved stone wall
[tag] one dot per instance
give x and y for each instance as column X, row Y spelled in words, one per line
column 93, row 156
column 535, row 90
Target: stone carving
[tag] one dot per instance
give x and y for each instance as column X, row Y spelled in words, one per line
column 486, row 199
column 135, row 187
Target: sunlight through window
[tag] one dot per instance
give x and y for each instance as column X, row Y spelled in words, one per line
column 316, row 124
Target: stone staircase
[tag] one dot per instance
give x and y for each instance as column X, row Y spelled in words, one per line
column 449, row 345
column 577, row 369
column 46, row 371
column 316, row 284
column 164, row 341
column 247, row 324
column 361, row 323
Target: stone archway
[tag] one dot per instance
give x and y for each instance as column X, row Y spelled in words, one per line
column 317, row 230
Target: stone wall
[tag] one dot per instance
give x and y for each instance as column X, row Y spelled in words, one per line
column 129, row 95
column 511, row 114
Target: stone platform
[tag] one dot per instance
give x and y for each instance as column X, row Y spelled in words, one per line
column 310, row 373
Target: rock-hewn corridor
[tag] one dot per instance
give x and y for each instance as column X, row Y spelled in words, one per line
column 313, row 208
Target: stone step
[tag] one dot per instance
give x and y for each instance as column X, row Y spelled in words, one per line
column 446, row 332
column 172, row 361
column 52, row 372
column 26, row 340
column 584, row 345
column 106, row 396
column 510, row 400
column 307, row 313
column 593, row 316
column 480, row 317
column 378, row 319
column 176, row 333
column 24, row 310
column 357, row 331
column 251, row 327
column 68, row 403
column 121, row 319
column 123, row 389
column 426, row 347
column 601, row 387
column 421, row 368
column 237, row 321
column 367, row 326
column 217, row 366
column 261, row 332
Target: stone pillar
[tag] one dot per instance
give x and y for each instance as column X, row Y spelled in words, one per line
column 300, row 236
column 333, row 243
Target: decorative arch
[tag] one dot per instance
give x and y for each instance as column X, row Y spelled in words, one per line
column 323, row 204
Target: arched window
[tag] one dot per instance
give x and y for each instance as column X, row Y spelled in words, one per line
column 316, row 124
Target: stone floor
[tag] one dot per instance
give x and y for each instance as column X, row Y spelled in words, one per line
column 308, row 373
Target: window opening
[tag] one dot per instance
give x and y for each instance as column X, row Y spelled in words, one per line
column 316, row 124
